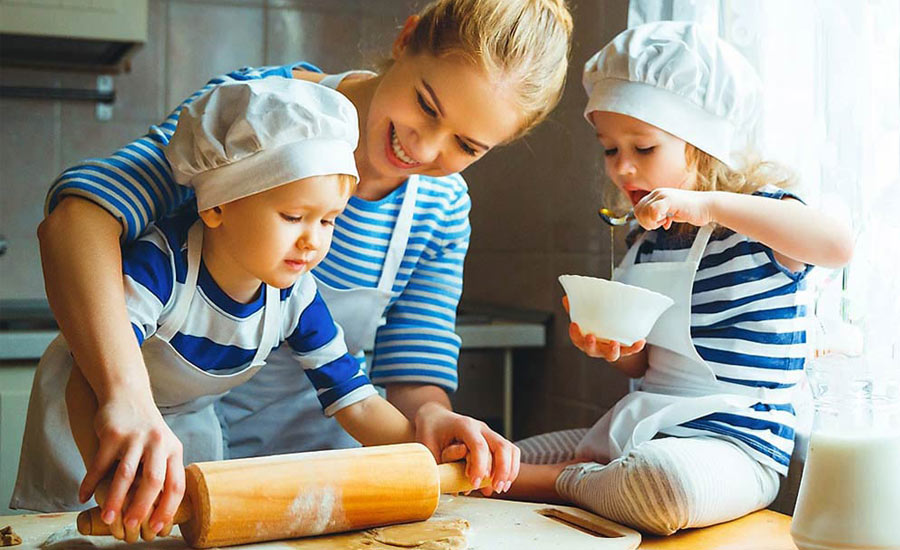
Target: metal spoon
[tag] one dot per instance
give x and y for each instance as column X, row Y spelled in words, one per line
column 613, row 220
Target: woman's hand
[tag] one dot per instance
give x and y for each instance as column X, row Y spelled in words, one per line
column 149, row 476
column 664, row 206
column 597, row 347
column 451, row 437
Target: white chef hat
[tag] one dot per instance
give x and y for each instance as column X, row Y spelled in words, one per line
column 242, row 138
column 679, row 78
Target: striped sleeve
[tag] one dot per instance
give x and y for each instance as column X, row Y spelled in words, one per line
column 135, row 183
column 418, row 343
column 149, row 278
column 319, row 347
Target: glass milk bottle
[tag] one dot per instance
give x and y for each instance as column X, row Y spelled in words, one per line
column 849, row 495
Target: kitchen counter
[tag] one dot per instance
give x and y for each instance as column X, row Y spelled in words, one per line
column 495, row 525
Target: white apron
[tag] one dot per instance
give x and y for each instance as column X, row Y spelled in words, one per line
column 277, row 412
column 51, row 468
column 679, row 385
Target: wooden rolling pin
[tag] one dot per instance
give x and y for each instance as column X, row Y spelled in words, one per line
column 306, row 494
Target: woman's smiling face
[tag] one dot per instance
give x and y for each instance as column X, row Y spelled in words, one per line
column 639, row 157
column 436, row 115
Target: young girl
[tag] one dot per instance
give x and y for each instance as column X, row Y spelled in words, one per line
column 210, row 295
column 710, row 429
column 394, row 277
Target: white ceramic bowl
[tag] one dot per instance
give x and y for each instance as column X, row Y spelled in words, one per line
column 612, row 310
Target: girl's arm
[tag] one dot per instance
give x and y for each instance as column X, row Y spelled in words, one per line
column 798, row 234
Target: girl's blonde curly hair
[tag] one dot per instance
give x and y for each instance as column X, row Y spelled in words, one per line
column 714, row 175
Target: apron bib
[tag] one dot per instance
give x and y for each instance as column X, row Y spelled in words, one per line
column 360, row 311
column 51, row 468
column 679, row 385
column 277, row 412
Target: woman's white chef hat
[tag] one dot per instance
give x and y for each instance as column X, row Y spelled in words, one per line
column 242, row 138
column 680, row 78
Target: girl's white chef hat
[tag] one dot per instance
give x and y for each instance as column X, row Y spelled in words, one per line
column 681, row 79
column 242, row 138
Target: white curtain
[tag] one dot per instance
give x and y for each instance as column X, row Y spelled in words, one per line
column 831, row 76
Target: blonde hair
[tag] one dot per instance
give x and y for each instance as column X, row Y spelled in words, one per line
column 527, row 41
column 347, row 182
column 714, row 175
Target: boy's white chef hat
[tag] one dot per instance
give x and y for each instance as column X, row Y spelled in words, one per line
column 242, row 138
column 679, row 78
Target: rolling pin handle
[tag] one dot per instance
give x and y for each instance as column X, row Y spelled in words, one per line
column 90, row 523
column 454, row 479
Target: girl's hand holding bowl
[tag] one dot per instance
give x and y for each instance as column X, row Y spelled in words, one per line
column 609, row 318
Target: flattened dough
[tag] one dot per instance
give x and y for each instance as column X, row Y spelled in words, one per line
column 435, row 534
column 430, row 535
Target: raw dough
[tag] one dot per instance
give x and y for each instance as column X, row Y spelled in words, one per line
column 441, row 534
column 429, row 535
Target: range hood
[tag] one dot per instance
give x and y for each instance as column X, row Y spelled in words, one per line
column 83, row 35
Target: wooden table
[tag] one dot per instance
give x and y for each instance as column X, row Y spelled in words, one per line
column 761, row 530
column 489, row 518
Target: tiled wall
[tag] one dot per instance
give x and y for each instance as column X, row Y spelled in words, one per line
column 534, row 202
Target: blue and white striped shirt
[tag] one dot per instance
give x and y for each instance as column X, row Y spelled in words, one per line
column 418, row 343
column 748, row 323
column 221, row 335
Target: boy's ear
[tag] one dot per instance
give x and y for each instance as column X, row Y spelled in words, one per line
column 402, row 39
column 212, row 217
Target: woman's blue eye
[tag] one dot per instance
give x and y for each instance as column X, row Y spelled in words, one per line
column 610, row 152
column 425, row 107
column 645, row 150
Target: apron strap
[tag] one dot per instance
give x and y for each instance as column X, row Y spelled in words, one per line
column 700, row 242
column 630, row 256
column 400, row 236
column 693, row 257
column 334, row 80
column 271, row 324
column 183, row 300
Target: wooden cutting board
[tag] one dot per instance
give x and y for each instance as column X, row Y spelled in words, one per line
column 493, row 525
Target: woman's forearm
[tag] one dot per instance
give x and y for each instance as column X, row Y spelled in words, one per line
column 374, row 421
column 410, row 397
column 787, row 226
column 81, row 404
column 82, row 266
